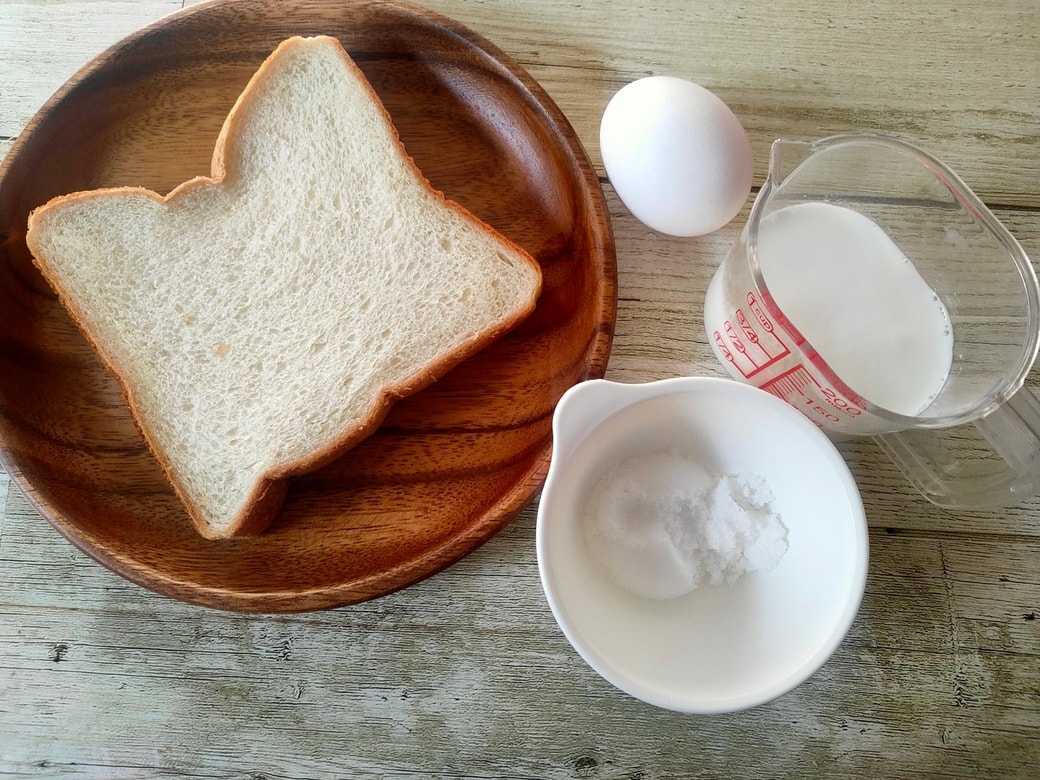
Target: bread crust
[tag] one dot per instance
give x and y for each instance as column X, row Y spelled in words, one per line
column 269, row 491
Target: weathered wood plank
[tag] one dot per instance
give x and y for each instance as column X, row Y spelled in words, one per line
column 941, row 664
column 788, row 70
column 465, row 674
column 44, row 45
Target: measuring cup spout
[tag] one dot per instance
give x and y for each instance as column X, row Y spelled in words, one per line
column 784, row 156
column 874, row 292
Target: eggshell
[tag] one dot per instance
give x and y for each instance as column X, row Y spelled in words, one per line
column 677, row 155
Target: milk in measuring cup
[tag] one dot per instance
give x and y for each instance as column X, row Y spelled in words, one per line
column 845, row 285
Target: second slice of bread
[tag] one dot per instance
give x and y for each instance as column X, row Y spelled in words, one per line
column 262, row 320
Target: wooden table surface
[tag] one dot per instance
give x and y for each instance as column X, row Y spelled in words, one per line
column 466, row 674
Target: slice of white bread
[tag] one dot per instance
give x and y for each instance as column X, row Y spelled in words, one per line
column 262, row 320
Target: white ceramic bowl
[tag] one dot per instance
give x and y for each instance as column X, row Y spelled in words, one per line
column 720, row 648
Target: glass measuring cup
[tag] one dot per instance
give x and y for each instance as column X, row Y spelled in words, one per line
column 874, row 292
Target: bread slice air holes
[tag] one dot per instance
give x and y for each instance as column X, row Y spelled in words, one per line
column 283, row 300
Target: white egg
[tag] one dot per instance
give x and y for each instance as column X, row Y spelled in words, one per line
column 677, row 156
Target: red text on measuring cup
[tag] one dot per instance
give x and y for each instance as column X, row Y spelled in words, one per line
column 751, row 345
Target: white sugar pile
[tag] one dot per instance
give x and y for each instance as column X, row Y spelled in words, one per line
column 662, row 526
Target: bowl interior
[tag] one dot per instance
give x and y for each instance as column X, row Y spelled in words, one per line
column 451, row 465
column 719, row 648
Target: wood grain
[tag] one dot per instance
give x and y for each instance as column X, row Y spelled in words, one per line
column 465, row 675
column 449, row 466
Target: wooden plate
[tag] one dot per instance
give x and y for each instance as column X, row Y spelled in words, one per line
column 450, row 466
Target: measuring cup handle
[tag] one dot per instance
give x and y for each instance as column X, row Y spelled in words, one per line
column 947, row 468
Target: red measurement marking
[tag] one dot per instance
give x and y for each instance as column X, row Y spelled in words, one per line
column 748, row 340
column 759, row 314
column 798, row 388
column 791, row 384
column 745, row 326
column 801, row 390
column 737, row 343
column 723, row 348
